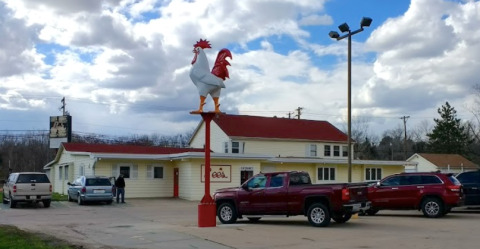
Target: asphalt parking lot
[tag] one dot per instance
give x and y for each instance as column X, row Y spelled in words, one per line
column 171, row 223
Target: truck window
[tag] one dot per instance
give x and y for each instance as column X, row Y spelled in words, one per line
column 469, row 177
column 29, row 178
column 277, row 180
column 299, row 179
column 392, row 181
column 261, row 180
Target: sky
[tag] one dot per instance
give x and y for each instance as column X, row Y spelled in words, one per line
column 123, row 65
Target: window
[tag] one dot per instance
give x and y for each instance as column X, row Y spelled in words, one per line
column 225, row 147
column 469, row 177
column 277, row 180
column 125, row 171
column 32, row 178
column 336, row 150
column 66, row 172
column 345, row 151
column 60, row 173
column 299, row 179
column 392, row 181
column 82, row 169
column 313, row 150
column 98, row 182
column 431, row 180
column 373, row 174
column 327, row 150
column 411, row 180
column 235, row 147
column 158, row 172
column 257, row 182
column 326, row 174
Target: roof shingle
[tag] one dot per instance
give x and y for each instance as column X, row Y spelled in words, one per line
column 279, row 128
column 454, row 160
column 124, row 149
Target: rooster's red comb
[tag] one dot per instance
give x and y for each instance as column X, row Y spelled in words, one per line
column 202, row 44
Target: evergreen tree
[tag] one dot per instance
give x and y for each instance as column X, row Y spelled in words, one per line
column 448, row 136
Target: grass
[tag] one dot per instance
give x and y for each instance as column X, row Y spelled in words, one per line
column 14, row 238
column 1, row 195
column 59, row 197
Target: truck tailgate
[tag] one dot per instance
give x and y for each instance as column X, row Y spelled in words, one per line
column 358, row 192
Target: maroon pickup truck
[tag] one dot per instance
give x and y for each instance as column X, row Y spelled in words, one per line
column 291, row 194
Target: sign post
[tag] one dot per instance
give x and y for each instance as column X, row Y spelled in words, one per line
column 208, row 83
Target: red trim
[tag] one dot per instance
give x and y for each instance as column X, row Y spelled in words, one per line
column 125, row 149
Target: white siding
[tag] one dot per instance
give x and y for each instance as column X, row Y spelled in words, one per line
column 83, row 161
column 185, row 179
column 217, row 135
column 141, row 187
column 197, row 188
column 60, row 185
column 423, row 164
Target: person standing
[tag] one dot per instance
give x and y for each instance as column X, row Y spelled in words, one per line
column 120, row 185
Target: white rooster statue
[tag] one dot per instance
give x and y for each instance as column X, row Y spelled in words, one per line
column 209, row 82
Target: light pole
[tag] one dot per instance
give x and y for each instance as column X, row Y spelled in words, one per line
column 365, row 22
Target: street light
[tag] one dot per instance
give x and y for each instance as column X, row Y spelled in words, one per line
column 365, row 22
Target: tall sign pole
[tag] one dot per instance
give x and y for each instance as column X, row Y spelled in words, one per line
column 208, row 83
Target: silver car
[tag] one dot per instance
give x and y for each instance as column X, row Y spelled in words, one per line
column 91, row 189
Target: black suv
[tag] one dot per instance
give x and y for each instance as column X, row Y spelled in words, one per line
column 471, row 186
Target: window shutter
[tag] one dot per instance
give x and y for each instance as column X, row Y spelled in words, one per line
column 115, row 170
column 135, row 171
column 307, row 150
column 149, row 172
column 241, row 147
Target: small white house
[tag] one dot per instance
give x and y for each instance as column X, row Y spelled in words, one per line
column 448, row 163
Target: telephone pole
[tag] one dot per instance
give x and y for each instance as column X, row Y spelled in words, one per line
column 290, row 115
column 405, row 140
column 63, row 106
column 299, row 112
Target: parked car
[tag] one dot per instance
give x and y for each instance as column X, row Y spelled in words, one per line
column 471, row 186
column 90, row 189
column 290, row 194
column 434, row 193
column 32, row 187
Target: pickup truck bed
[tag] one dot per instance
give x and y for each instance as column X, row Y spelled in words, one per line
column 291, row 194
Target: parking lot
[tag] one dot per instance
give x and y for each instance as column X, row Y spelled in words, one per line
column 171, row 223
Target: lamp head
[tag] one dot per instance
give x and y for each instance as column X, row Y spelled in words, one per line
column 366, row 21
column 344, row 27
column 334, row 34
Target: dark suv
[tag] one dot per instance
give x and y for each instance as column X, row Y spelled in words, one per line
column 433, row 193
column 471, row 186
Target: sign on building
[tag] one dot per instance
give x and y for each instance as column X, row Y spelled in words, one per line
column 60, row 130
column 218, row 173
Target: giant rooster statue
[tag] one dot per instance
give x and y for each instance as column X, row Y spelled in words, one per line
column 209, row 82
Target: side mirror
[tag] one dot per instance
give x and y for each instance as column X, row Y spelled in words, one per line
column 245, row 187
column 377, row 185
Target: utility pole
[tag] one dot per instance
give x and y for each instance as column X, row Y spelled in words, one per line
column 63, row 106
column 290, row 115
column 405, row 140
column 299, row 112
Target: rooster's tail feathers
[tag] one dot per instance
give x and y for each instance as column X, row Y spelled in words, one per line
column 220, row 67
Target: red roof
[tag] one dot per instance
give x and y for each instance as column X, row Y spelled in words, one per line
column 124, row 149
column 279, row 128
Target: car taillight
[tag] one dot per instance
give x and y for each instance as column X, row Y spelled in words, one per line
column 454, row 188
column 84, row 190
column 345, row 194
column 14, row 189
column 50, row 188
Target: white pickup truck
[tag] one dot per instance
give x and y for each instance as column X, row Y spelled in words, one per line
column 27, row 187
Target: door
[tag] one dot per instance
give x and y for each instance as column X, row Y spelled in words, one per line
column 383, row 195
column 252, row 201
column 175, row 182
column 245, row 175
column 276, row 202
column 471, row 186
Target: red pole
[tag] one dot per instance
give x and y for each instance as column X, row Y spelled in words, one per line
column 207, row 209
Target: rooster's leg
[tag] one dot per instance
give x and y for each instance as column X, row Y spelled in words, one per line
column 217, row 105
column 202, row 103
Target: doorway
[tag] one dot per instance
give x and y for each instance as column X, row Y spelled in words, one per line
column 175, row 182
column 245, row 174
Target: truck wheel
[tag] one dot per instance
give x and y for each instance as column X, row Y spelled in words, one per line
column 432, row 208
column 13, row 204
column 254, row 220
column 318, row 215
column 46, row 204
column 342, row 219
column 226, row 213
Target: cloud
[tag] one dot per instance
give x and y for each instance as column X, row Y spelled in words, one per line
column 316, row 20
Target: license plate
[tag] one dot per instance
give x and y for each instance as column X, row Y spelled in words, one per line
column 98, row 191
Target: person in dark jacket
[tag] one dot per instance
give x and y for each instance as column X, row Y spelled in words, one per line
column 120, row 185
